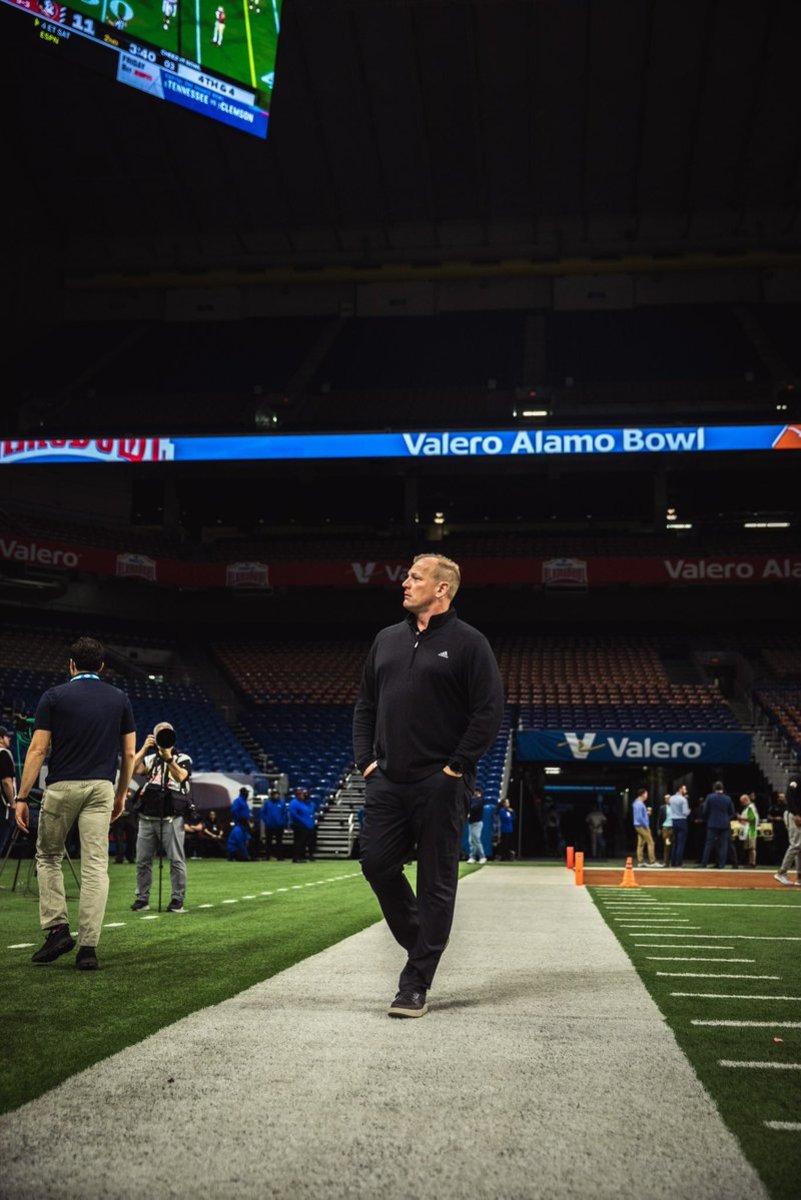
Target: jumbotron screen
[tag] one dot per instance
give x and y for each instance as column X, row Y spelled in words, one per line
column 214, row 57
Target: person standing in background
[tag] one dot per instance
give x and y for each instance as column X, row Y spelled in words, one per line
column 506, row 818
column 679, row 813
column 641, row 816
column 8, row 787
column 749, row 822
column 273, row 816
column 718, row 812
column 475, row 827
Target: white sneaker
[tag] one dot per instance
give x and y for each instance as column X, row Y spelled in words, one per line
column 483, row 860
column 471, row 860
column 782, row 879
column 656, row 864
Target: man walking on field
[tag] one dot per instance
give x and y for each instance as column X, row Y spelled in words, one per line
column 430, row 704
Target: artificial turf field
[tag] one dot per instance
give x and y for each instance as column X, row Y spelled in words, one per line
column 264, row 917
column 724, row 968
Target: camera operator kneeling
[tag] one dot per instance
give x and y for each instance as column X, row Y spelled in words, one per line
column 161, row 804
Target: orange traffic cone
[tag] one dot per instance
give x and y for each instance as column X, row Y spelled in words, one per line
column 569, row 857
column 579, row 873
column 628, row 879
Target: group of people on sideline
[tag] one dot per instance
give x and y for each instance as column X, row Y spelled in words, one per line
column 257, row 832
column 729, row 831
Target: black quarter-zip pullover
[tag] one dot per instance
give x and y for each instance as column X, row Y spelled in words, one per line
column 427, row 699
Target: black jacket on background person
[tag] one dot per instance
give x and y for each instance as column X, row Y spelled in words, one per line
column 427, row 699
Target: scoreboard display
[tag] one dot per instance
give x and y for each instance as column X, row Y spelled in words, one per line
column 214, row 57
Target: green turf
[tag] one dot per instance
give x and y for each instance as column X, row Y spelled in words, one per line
column 746, row 1097
column 154, row 972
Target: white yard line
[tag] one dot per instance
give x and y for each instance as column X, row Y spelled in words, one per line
column 752, row 1024
column 732, row 996
column 787, row 1126
column 684, row 958
column 662, row 946
column 728, row 904
column 711, row 975
column 740, row 937
column 758, row 1066
column 649, row 931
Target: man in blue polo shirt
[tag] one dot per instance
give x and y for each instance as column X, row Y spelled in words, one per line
column 86, row 726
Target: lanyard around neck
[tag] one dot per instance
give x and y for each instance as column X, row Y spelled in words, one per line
column 84, row 675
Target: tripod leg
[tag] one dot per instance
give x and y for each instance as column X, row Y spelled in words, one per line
column 12, row 841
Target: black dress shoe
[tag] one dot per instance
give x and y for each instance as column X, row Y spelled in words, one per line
column 86, row 959
column 58, row 941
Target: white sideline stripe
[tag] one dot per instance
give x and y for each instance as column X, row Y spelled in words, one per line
column 741, row 937
column 705, row 975
column 155, row 916
column 683, row 958
column 753, row 1024
column 296, row 887
column 769, row 1066
column 648, row 932
column 731, row 996
column 726, row 904
column 692, row 946
column 787, row 1126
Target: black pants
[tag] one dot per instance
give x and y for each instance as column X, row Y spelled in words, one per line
column 301, row 843
column 717, row 843
column 429, row 815
column 274, row 837
column 506, row 848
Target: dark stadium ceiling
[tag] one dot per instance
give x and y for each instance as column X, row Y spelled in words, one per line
column 426, row 132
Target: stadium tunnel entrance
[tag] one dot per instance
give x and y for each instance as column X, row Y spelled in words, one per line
column 553, row 801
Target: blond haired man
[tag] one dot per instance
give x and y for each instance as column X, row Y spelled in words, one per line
column 430, row 704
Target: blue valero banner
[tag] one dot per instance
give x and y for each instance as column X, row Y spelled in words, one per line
column 422, row 445
column 632, row 746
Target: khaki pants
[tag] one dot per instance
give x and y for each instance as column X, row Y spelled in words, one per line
column 89, row 802
column 645, row 838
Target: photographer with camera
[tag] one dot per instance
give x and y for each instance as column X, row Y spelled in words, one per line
column 161, row 804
